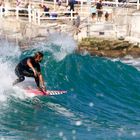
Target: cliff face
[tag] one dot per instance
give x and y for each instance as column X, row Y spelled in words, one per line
column 109, row 47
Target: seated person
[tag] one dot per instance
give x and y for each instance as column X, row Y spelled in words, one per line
column 59, row 2
column 46, row 9
column 53, row 15
column 67, row 13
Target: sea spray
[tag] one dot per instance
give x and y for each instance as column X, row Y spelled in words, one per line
column 9, row 55
column 61, row 44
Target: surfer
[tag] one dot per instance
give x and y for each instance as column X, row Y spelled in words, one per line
column 30, row 67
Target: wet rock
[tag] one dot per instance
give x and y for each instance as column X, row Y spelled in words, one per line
column 109, row 47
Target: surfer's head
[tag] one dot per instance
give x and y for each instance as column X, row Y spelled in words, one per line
column 38, row 56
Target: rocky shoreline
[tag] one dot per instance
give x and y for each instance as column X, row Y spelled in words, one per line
column 112, row 48
column 96, row 46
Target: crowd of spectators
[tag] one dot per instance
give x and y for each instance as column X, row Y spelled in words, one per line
column 97, row 12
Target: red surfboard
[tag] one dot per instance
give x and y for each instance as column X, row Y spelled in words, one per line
column 37, row 92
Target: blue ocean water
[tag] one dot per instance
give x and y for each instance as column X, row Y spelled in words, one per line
column 102, row 103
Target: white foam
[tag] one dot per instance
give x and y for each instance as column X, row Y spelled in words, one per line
column 129, row 60
column 8, row 54
column 8, row 50
column 20, row 92
column 132, row 61
column 62, row 110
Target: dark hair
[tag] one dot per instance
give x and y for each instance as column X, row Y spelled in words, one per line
column 39, row 53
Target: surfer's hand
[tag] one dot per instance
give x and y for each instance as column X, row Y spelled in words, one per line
column 43, row 88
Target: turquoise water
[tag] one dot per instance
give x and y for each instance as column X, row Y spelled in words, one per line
column 103, row 100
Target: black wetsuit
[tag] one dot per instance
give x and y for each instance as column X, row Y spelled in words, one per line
column 22, row 70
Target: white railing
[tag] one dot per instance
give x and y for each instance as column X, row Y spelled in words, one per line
column 35, row 15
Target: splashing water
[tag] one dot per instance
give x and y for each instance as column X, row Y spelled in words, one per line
column 61, row 45
column 9, row 52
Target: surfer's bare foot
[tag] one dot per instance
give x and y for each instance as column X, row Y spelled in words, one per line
column 40, row 89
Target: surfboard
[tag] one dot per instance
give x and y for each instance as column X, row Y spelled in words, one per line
column 37, row 92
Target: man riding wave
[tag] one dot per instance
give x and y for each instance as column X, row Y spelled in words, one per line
column 30, row 67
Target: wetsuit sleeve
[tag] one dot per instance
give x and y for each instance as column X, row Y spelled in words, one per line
column 38, row 67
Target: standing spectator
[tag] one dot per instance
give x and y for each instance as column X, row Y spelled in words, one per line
column 59, row 2
column 93, row 12
column 99, row 8
column 76, row 23
column 106, row 16
column 71, row 4
column 3, row 5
